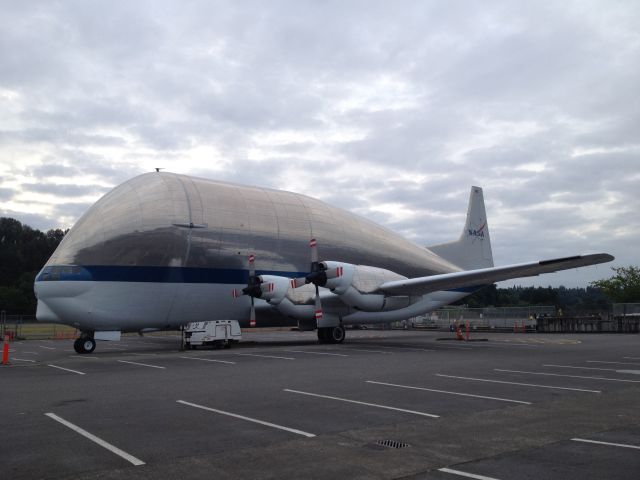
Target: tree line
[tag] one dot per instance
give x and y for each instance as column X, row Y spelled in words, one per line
column 24, row 251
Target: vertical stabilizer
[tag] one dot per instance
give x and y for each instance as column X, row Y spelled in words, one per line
column 473, row 249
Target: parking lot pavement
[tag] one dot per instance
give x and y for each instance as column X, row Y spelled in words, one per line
column 385, row 404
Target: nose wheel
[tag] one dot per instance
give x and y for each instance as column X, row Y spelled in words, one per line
column 84, row 344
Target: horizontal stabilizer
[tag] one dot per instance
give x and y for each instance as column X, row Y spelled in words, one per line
column 487, row 276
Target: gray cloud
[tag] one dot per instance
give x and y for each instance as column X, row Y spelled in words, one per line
column 363, row 104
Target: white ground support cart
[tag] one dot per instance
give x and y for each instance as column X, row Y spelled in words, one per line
column 219, row 333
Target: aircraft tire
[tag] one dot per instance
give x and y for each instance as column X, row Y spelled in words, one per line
column 322, row 335
column 88, row 345
column 77, row 345
column 336, row 334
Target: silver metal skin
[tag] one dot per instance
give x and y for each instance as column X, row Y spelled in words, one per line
column 164, row 219
column 164, row 249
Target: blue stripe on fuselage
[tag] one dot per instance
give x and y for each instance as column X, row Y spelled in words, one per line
column 104, row 273
column 110, row 273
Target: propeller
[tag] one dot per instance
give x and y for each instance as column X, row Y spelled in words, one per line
column 255, row 287
column 318, row 275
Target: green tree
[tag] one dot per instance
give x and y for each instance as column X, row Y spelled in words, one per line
column 23, row 252
column 623, row 287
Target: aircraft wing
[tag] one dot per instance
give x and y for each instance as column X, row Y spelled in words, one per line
column 487, row 276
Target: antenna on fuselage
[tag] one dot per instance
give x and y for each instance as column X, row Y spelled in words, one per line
column 159, row 168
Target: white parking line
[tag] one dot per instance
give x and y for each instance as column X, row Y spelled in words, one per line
column 363, row 403
column 465, row 474
column 142, row 364
column 606, row 443
column 48, row 348
column 23, row 360
column 67, row 369
column 450, row 393
column 208, row 360
column 248, row 419
column 317, row 353
column 372, row 351
column 517, row 383
column 582, row 368
column 99, row 441
column 632, row 358
column 407, row 348
column 568, row 376
column 263, row 356
column 613, row 363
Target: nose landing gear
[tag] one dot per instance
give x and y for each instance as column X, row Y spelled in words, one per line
column 84, row 344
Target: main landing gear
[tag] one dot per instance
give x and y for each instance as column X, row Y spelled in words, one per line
column 84, row 344
column 331, row 334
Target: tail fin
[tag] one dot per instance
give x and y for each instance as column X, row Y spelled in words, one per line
column 473, row 249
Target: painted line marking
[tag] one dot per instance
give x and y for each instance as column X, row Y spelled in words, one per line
column 23, row 360
column 142, row 364
column 208, row 360
column 408, row 348
column 372, row 351
column 568, row 376
column 631, row 372
column 613, row 363
column 99, row 441
column 628, row 358
column 48, row 348
column 317, row 353
column 465, row 474
column 67, row 369
column 450, row 393
column 248, row 419
column 363, row 403
column 606, row 443
column 582, row 368
column 517, row 383
column 263, row 356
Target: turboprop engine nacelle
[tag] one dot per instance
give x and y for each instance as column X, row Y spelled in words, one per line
column 274, row 288
column 355, row 284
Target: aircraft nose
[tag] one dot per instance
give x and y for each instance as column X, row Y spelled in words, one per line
column 60, row 301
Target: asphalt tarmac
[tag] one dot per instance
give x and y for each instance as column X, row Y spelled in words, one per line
column 385, row 404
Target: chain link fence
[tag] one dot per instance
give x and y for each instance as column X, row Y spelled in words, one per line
column 505, row 318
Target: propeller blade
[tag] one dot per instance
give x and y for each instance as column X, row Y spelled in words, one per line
column 314, row 252
column 252, row 269
column 252, row 315
column 318, row 313
column 236, row 293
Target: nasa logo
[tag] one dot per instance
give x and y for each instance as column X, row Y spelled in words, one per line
column 479, row 232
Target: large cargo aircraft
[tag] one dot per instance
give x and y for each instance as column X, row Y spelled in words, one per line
column 163, row 250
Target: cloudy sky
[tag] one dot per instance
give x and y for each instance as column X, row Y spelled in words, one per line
column 390, row 109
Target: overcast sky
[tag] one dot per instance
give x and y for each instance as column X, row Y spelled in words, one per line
column 390, row 109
